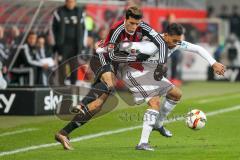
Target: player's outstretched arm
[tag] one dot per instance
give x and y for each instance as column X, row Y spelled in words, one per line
column 217, row 67
column 118, row 56
column 187, row 46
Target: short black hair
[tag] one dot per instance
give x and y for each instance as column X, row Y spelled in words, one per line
column 175, row 29
column 31, row 33
column 134, row 12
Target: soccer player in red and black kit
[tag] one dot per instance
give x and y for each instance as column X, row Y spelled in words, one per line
column 104, row 64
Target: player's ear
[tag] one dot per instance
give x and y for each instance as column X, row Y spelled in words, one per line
column 165, row 36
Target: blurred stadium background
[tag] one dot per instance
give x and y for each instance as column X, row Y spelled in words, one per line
column 29, row 103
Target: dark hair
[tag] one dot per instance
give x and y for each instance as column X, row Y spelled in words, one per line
column 41, row 36
column 31, row 33
column 134, row 12
column 175, row 29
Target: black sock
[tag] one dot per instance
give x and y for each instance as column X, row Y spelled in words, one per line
column 78, row 120
column 70, row 127
column 96, row 91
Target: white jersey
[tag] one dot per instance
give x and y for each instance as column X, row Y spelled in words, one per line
column 139, row 78
column 149, row 48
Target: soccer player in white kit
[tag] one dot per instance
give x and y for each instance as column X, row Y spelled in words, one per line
column 139, row 78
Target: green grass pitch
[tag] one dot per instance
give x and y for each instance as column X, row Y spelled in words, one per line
column 109, row 138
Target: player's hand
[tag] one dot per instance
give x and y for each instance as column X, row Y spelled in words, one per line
column 45, row 66
column 160, row 71
column 100, row 43
column 219, row 68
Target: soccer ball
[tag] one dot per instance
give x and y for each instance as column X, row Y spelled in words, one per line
column 196, row 119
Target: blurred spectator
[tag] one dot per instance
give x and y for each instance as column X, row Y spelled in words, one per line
column 224, row 12
column 69, row 33
column 30, row 58
column 89, row 43
column 3, row 48
column 1, row 34
column 232, row 51
column 171, row 18
column 109, row 17
column 235, row 21
column 102, row 34
column 3, row 57
column 134, row 3
column 14, row 37
column 43, row 49
column 210, row 11
column 44, row 55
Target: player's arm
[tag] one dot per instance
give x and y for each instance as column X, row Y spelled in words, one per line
column 143, row 47
column 29, row 58
column 119, row 56
column 217, row 67
column 157, row 39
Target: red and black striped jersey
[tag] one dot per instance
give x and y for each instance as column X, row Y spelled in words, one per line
column 118, row 34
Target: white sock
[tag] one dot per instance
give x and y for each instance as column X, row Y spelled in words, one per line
column 149, row 121
column 166, row 108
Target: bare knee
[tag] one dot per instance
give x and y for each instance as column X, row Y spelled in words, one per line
column 154, row 103
column 97, row 104
column 174, row 94
column 109, row 79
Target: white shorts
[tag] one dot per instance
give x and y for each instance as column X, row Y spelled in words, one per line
column 142, row 83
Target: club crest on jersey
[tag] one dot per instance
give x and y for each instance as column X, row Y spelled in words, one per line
column 139, row 35
column 110, row 47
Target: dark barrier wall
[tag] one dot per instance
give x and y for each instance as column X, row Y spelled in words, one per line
column 28, row 101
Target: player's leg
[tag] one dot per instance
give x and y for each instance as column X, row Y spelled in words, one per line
column 96, row 97
column 140, row 86
column 169, row 103
column 149, row 120
column 150, row 90
column 104, row 83
column 89, row 106
column 79, row 120
column 93, row 101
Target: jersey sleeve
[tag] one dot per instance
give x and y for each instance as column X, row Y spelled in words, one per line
column 157, row 39
column 114, row 34
column 187, row 46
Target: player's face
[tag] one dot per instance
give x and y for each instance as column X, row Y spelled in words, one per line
column 131, row 24
column 172, row 40
column 41, row 42
column 70, row 4
column 32, row 39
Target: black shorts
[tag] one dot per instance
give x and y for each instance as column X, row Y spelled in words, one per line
column 98, row 68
